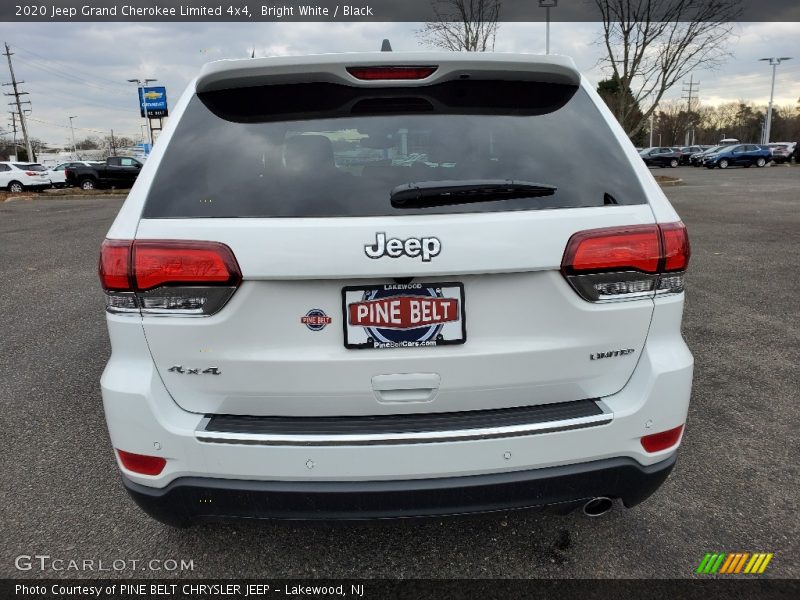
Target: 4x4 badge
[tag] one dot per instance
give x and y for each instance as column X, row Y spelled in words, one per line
column 426, row 247
column 197, row 371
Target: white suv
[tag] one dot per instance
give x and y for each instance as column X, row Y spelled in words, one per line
column 402, row 285
column 16, row 177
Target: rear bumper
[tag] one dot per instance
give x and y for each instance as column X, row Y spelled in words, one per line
column 191, row 499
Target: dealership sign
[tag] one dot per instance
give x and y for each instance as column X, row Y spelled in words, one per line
column 153, row 101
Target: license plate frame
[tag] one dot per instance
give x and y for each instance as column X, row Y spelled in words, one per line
column 437, row 296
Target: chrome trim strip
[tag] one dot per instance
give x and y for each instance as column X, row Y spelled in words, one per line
column 428, row 437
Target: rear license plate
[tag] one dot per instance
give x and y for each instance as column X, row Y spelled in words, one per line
column 397, row 315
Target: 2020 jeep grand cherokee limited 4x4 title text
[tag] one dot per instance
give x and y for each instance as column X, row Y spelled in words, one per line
column 397, row 299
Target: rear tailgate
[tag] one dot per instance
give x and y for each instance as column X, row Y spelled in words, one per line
column 302, row 200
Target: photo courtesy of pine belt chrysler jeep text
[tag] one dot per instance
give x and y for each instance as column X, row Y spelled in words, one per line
column 399, row 297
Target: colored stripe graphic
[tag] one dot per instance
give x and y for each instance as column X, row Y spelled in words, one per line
column 766, row 562
column 726, row 566
column 741, row 562
column 718, row 564
column 703, row 563
column 734, row 563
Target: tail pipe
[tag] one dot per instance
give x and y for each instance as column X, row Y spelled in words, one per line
column 597, row 507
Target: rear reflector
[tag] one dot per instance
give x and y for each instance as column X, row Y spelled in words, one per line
column 656, row 442
column 174, row 277
column 391, row 73
column 141, row 463
column 635, row 261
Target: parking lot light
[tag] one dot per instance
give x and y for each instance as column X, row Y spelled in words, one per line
column 140, row 83
column 547, row 5
column 774, row 62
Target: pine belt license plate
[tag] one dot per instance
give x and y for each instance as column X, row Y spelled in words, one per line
column 399, row 315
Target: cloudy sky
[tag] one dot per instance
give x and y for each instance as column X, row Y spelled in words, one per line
column 81, row 68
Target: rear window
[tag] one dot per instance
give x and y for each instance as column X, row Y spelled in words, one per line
column 29, row 167
column 329, row 150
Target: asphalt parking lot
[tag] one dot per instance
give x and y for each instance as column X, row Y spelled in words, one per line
column 735, row 487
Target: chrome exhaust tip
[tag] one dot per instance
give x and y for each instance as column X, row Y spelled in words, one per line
column 597, row 507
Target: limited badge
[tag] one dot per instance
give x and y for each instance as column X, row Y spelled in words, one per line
column 316, row 319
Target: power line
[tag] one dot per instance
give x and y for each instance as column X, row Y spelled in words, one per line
column 92, row 75
column 83, row 101
column 126, row 134
column 71, row 78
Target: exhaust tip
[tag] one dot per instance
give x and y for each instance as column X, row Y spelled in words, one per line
column 597, row 507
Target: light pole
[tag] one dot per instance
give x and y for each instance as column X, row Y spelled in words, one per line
column 774, row 62
column 72, row 131
column 140, row 83
column 547, row 5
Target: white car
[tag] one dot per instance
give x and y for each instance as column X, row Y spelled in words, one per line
column 401, row 298
column 58, row 176
column 17, row 177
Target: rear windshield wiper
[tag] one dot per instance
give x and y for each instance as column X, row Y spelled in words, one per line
column 427, row 194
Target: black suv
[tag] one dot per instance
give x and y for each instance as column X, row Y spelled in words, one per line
column 660, row 157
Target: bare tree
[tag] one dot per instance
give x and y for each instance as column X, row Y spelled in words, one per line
column 462, row 25
column 653, row 44
column 672, row 120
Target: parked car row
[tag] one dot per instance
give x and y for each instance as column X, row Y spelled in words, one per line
column 727, row 153
column 115, row 171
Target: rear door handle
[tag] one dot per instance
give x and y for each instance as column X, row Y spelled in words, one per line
column 406, row 387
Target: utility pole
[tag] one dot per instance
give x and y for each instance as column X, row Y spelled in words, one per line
column 8, row 54
column 113, row 145
column 72, row 130
column 692, row 90
column 14, row 128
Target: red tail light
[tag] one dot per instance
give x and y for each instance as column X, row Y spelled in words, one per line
column 167, row 276
column 675, row 242
column 115, row 259
column 391, row 73
column 141, row 463
column 31, row 173
column 157, row 263
column 655, row 442
column 617, row 263
column 613, row 249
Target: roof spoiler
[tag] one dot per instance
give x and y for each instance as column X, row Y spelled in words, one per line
column 333, row 68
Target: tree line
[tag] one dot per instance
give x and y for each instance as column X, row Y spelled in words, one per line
column 90, row 147
column 741, row 120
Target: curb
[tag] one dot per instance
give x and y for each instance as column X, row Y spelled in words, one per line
column 670, row 183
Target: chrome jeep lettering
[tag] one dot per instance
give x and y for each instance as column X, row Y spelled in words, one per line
column 426, row 247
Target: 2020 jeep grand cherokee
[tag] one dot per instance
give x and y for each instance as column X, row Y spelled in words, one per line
column 398, row 297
